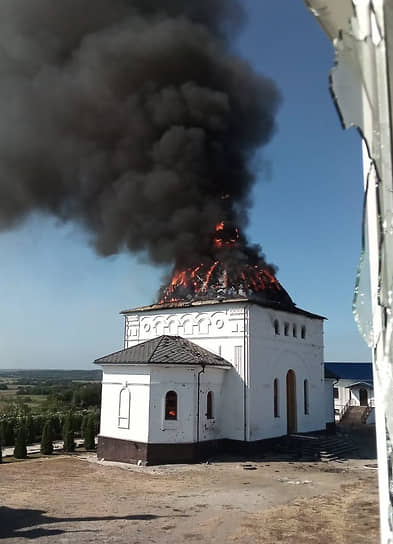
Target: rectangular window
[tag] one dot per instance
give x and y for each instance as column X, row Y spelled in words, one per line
column 305, row 397
column 209, row 405
column 238, row 357
column 335, row 392
column 275, row 399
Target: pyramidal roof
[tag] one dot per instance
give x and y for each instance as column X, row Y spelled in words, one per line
column 164, row 350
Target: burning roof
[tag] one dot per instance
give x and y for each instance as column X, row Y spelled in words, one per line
column 232, row 270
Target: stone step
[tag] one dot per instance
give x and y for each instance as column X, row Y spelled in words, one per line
column 317, row 447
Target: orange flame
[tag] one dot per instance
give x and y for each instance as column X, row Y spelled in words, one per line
column 211, row 276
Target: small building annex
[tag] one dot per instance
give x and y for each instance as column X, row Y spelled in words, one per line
column 202, row 375
column 353, row 387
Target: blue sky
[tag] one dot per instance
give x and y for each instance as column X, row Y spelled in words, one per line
column 60, row 302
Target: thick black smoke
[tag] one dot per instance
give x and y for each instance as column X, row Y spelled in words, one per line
column 131, row 117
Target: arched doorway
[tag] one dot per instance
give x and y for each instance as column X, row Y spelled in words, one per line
column 291, row 402
column 363, row 397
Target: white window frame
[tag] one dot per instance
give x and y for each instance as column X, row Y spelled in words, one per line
column 123, row 417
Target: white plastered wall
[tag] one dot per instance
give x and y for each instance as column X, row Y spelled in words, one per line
column 218, row 328
column 136, row 380
column 183, row 380
column 329, row 400
column 244, row 335
column 271, row 356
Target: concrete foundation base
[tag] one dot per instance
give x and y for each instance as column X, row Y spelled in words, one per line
column 114, row 449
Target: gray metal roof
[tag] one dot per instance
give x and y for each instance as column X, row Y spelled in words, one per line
column 164, row 350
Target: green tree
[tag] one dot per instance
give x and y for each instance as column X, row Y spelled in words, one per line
column 47, row 439
column 68, row 433
column 30, row 434
column 84, row 425
column 7, row 426
column 20, row 450
column 90, row 433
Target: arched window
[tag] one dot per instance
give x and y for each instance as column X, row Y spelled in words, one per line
column 171, row 405
column 305, row 396
column 209, row 405
column 303, row 333
column 294, row 330
column 286, row 329
column 124, row 409
column 275, row 398
column 276, row 327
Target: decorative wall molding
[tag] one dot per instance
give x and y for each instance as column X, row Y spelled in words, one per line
column 188, row 324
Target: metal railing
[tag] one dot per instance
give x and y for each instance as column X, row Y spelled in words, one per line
column 341, row 409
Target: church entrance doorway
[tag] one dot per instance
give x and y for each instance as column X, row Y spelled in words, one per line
column 363, row 397
column 291, row 402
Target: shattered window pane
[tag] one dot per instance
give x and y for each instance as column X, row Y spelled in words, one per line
column 361, row 307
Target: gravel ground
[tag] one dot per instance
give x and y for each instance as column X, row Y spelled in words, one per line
column 74, row 499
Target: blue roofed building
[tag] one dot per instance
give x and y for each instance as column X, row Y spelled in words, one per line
column 353, row 391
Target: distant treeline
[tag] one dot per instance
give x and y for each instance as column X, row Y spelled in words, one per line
column 37, row 376
column 79, row 395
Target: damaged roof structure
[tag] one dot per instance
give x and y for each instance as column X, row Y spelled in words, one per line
column 361, row 84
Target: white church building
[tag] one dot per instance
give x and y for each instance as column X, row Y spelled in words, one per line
column 197, row 376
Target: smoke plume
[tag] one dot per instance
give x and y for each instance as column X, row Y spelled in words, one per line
column 131, row 117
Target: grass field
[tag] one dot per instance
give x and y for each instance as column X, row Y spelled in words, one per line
column 50, row 381
column 8, row 396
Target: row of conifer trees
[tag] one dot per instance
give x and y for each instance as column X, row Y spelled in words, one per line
column 50, row 432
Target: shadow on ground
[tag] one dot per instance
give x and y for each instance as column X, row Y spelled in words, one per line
column 26, row 523
column 349, row 442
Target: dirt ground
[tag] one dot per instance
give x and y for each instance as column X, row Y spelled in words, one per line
column 78, row 500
